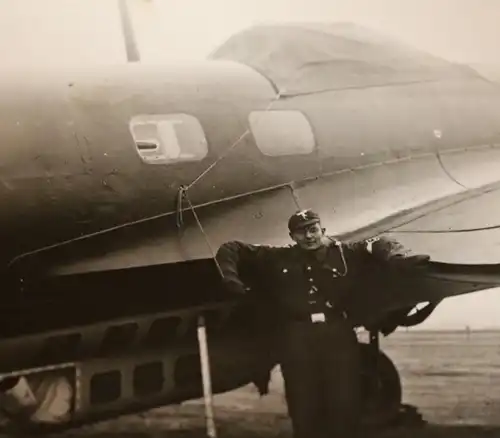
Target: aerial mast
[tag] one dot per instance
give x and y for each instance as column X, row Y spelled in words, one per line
column 130, row 41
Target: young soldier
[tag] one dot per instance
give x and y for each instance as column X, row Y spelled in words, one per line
column 318, row 349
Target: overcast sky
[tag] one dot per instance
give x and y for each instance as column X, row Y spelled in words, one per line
column 88, row 31
column 55, row 32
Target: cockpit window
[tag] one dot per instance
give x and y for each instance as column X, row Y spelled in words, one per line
column 169, row 138
column 279, row 133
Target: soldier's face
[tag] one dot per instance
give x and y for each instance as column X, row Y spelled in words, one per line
column 310, row 237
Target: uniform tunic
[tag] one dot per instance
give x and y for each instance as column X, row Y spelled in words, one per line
column 317, row 347
column 300, row 282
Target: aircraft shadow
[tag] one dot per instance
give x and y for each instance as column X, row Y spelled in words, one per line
column 226, row 431
column 443, row 431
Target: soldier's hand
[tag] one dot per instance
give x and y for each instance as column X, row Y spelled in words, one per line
column 399, row 253
column 235, row 287
column 412, row 262
column 418, row 259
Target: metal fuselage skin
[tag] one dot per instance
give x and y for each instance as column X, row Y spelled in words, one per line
column 69, row 166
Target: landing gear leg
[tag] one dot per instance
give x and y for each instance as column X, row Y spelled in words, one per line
column 381, row 384
column 383, row 406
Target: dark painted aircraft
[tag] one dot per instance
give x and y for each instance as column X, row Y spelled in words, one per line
column 119, row 183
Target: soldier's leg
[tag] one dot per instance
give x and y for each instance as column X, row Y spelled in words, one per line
column 301, row 379
column 342, row 372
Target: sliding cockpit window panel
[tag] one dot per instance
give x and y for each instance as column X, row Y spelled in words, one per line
column 168, row 138
column 282, row 132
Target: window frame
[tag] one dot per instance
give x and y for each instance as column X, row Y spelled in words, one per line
column 260, row 141
column 160, row 154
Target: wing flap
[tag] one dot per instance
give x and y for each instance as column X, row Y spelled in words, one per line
column 479, row 275
column 388, row 290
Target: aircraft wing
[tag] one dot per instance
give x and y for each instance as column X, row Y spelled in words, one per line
column 461, row 262
column 391, row 199
column 386, row 296
column 145, row 260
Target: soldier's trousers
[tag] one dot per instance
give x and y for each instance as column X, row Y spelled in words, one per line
column 320, row 363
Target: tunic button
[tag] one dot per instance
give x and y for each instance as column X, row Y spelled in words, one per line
column 308, row 268
column 311, row 280
column 285, row 270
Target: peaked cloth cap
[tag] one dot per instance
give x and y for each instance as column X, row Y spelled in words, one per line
column 302, row 219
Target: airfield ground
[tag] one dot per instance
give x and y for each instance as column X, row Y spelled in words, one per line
column 454, row 379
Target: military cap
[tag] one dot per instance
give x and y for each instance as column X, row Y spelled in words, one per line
column 302, row 218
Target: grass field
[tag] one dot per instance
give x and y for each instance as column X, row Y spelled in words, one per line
column 454, row 379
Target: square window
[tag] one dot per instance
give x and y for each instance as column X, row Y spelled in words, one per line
column 148, row 378
column 105, row 387
column 279, row 133
column 168, row 138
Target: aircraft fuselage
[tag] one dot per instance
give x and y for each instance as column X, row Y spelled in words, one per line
column 70, row 166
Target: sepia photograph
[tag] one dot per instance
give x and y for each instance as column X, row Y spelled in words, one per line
column 238, row 219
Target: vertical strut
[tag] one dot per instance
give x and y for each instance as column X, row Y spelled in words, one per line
column 205, row 373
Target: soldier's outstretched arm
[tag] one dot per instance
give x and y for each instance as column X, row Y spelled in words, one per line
column 391, row 251
column 231, row 256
